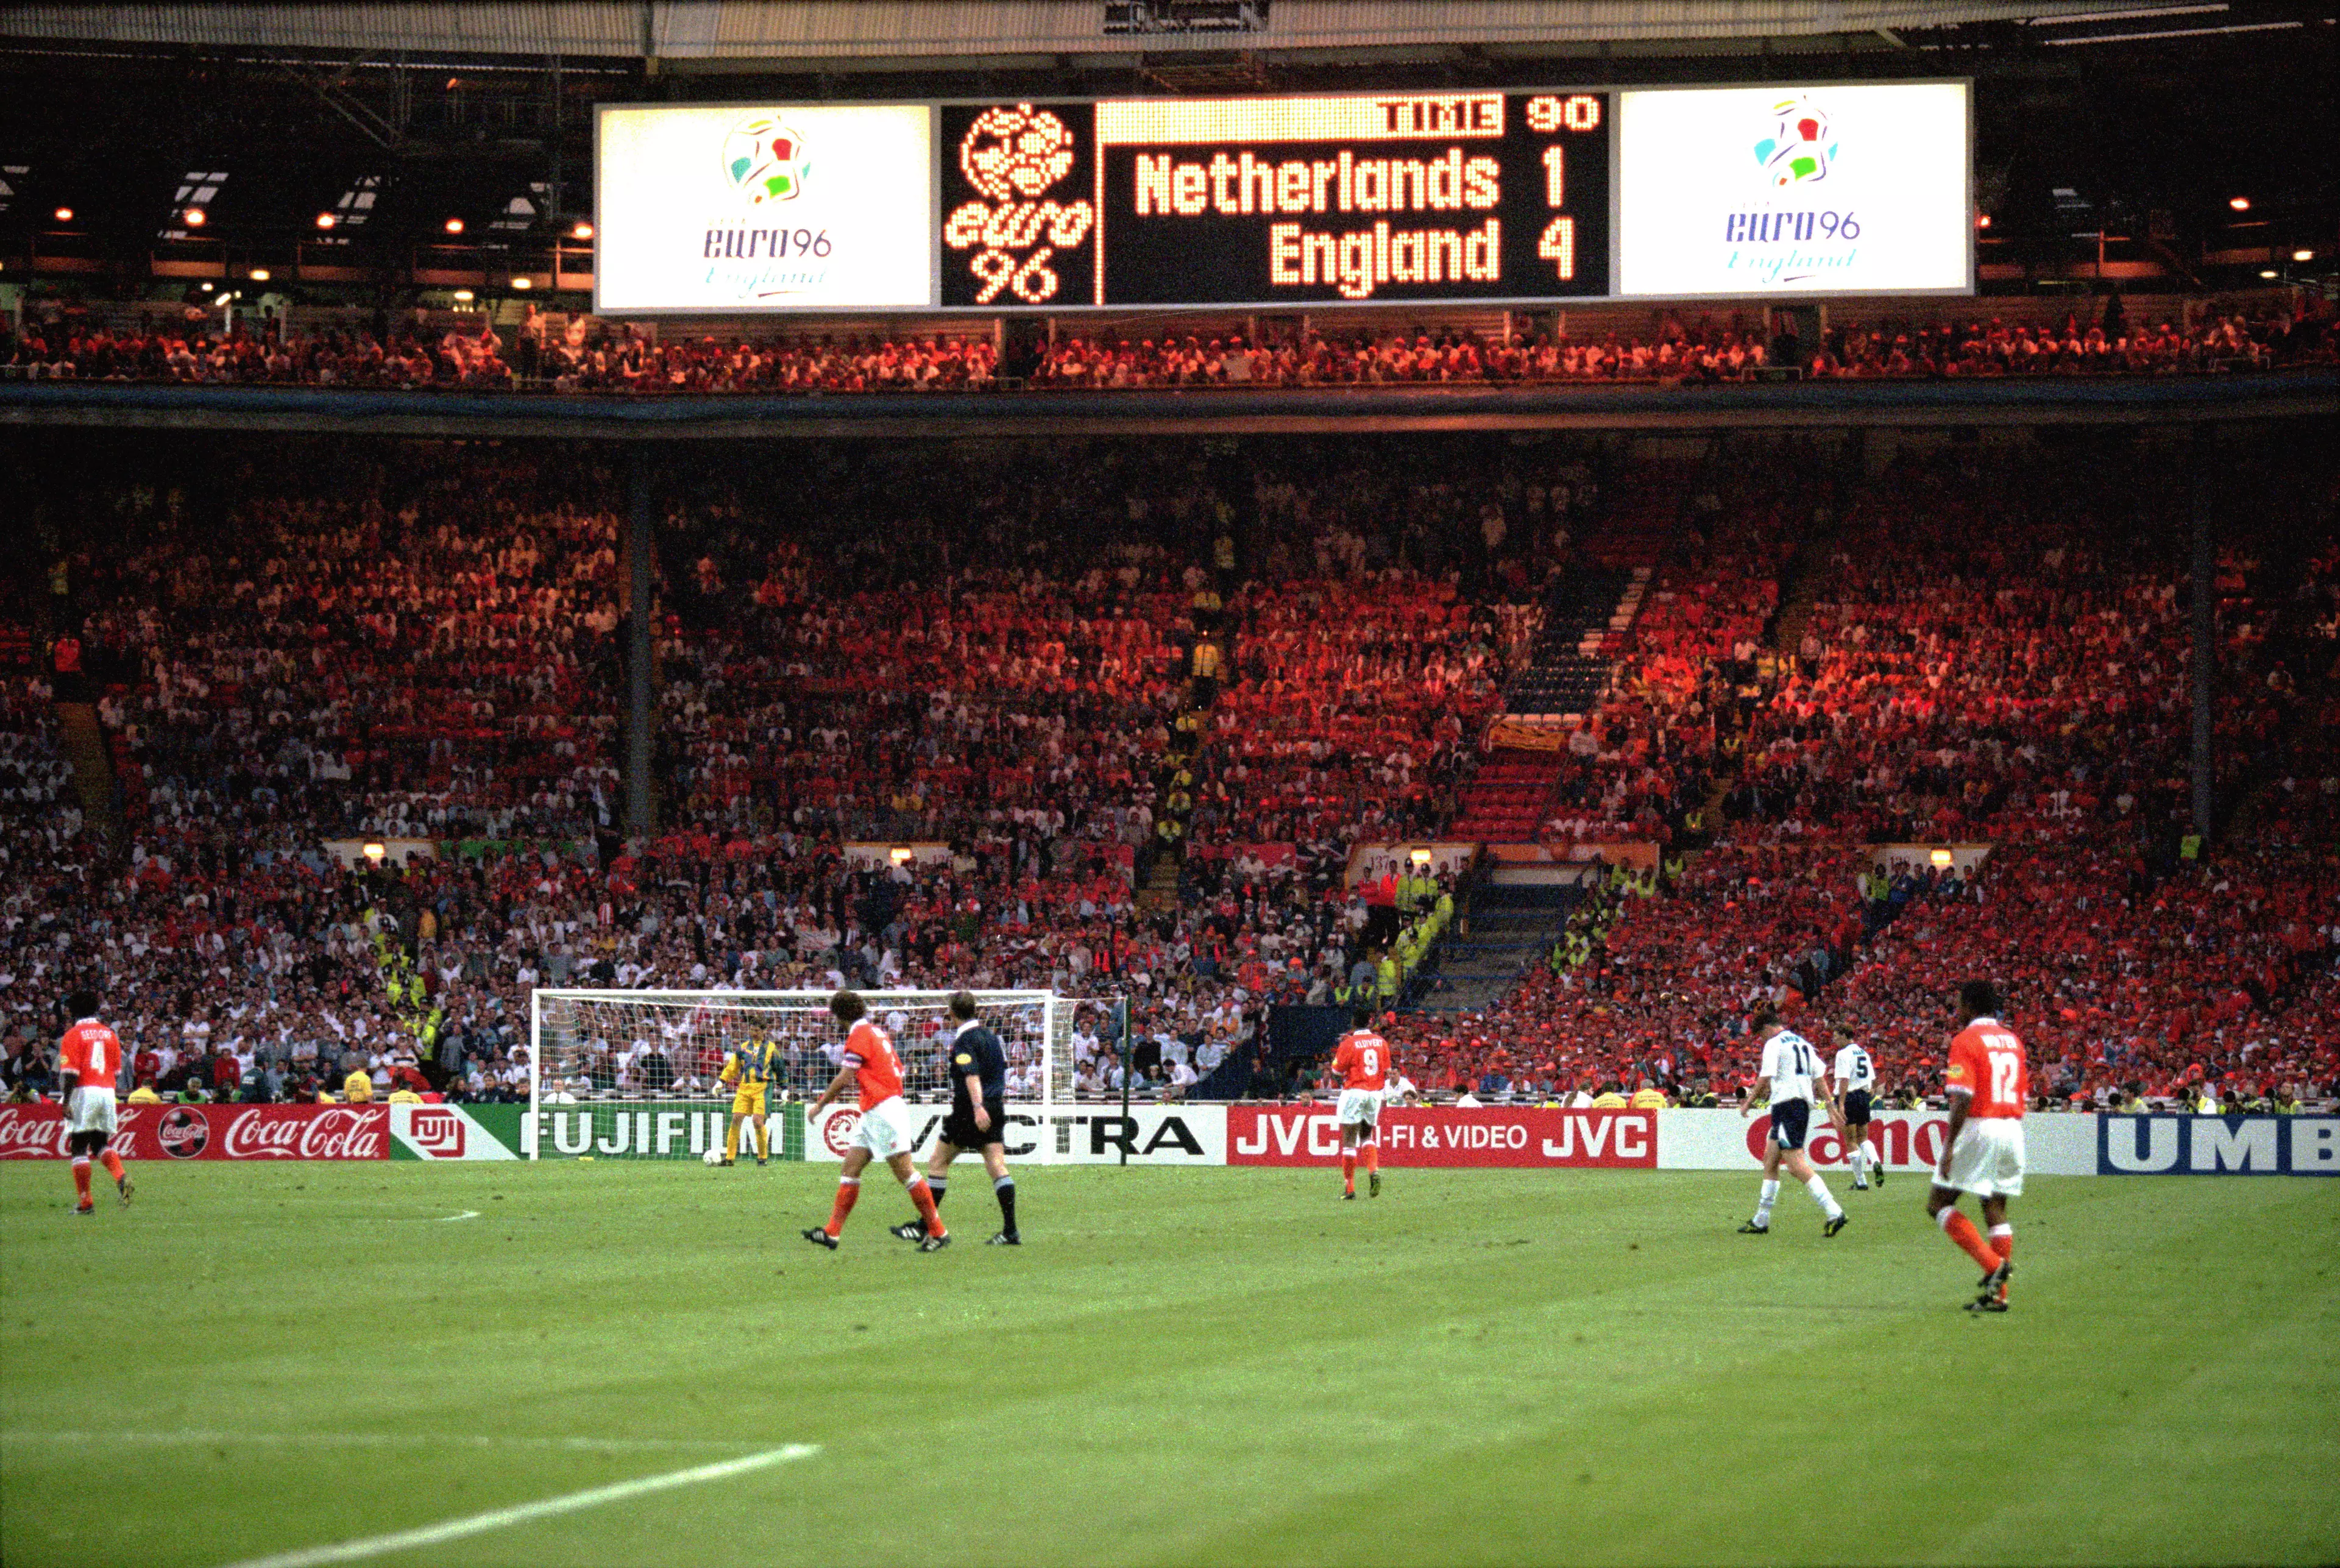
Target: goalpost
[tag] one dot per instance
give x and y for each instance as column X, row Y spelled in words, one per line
column 634, row 1075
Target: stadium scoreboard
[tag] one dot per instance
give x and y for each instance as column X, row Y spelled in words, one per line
column 1510, row 197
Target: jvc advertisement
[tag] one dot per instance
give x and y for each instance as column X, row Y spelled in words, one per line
column 1524, row 1136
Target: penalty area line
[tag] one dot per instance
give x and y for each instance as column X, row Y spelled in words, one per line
column 504, row 1518
column 467, row 1214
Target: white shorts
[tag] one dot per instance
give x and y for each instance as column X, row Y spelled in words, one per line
column 90, row 1110
column 1359, row 1106
column 884, row 1129
column 1988, row 1158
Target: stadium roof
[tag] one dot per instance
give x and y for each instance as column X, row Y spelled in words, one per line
column 892, row 30
column 2138, row 120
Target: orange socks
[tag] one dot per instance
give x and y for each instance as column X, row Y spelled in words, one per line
column 112, row 1163
column 1961, row 1230
column 1372, row 1157
column 848, row 1192
column 925, row 1199
column 81, row 1178
column 1348, row 1170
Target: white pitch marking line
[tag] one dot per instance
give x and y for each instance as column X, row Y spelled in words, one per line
column 502, row 1518
column 374, row 1440
column 467, row 1214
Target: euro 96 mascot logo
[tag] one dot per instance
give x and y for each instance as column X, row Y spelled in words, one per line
column 1013, row 156
column 765, row 161
column 1800, row 146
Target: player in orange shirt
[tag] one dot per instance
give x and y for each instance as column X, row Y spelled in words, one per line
column 88, row 1057
column 1987, row 1085
column 1362, row 1060
column 884, row 1132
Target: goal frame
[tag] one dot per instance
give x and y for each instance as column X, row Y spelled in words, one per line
column 1055, row 1042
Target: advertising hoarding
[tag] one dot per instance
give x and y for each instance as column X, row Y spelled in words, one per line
column 1516, row 1136
column 1083, row 1134
column 207, row 1132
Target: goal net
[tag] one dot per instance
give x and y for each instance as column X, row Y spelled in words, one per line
column 637, row 1075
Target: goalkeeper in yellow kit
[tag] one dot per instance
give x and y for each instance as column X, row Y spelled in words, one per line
column 748, row 1069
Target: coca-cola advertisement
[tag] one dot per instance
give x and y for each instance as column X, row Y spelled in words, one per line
column 164, row 1132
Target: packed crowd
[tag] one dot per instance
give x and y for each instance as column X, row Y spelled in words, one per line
column 565, row 353
column 2128, row 983
column 1700, row 352
column 301, row 653
column 2016, row 669
column 406, row 651
column 200, row 351
column 305, row 649
column 2013, row 671
column 1668, row 725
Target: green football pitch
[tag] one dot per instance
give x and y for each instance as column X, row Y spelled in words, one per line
column 1182, row 1366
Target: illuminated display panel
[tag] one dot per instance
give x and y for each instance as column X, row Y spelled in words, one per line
column 746, row 207
column 1509, row 196
column 1019, row 204
column 1353, row 199
column 1790, row 190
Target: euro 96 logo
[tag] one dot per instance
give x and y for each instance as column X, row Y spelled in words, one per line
column 1800, row 148
column 765, row 161
column 1013, row 156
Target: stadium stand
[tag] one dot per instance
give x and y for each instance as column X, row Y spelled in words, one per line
column 1786, row 663
column 472, row 350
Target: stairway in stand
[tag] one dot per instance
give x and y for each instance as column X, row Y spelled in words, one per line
column 93, row 768
column 1511, row 928
column 1587, row 614
column 1161, row 889
column 1515, row 918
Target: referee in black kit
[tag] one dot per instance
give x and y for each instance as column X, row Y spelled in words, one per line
column 977, row 1120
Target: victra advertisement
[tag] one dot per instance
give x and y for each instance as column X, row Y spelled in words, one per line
column 1065, row 1134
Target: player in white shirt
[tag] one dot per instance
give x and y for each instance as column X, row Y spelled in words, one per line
column 1856, row 1076
column 1792, row 1076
